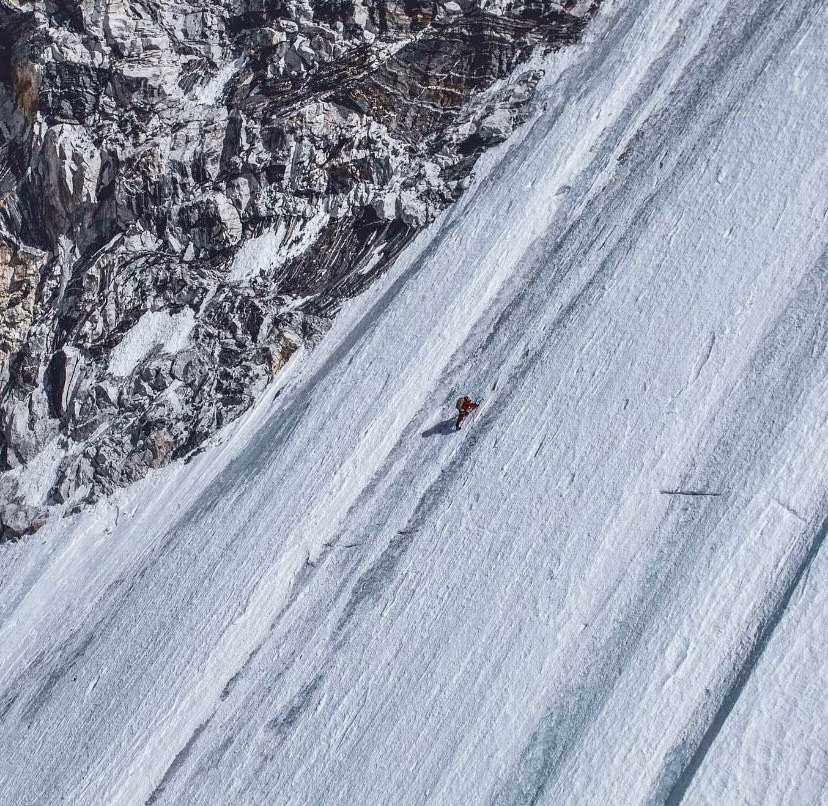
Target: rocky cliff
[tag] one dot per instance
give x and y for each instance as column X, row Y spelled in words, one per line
column 188, row 191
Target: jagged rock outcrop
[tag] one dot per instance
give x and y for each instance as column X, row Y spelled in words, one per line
column 188, row 191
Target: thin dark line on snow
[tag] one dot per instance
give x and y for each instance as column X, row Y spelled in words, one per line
column 763, row 637
column 690, row 492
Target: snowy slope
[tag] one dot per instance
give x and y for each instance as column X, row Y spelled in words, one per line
column 344, row 602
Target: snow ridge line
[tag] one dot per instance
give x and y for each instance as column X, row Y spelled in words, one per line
column 272, row 590
column 583, row 295
column 769, row 619
column 177, row 762
column 384, row 567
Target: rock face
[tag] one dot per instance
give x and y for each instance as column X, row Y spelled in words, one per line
column 189, row 189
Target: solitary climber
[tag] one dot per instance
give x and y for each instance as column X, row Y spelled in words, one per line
column 464, row 406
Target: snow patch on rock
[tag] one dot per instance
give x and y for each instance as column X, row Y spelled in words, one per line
column 171, row 332
column 299, row 241
column 256, row 255
column 212, row 91
column 34, row 479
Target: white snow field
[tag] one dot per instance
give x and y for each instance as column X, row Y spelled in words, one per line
column 608, row 588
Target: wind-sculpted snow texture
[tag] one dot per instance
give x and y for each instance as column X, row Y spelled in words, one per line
column 148, row 149
column 608, row 588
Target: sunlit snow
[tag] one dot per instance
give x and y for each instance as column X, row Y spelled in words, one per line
column 608, row 588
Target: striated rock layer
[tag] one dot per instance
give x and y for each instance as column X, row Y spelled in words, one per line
column 188, row 191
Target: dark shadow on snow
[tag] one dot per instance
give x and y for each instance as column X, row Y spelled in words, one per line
column 441, row 429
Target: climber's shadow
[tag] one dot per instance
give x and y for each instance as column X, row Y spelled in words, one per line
column 442, row 429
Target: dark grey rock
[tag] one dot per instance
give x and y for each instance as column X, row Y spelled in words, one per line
column 17, row 520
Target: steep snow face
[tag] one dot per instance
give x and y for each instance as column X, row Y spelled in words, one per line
column 588, row 595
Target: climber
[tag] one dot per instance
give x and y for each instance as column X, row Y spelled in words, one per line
column 464, row 406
